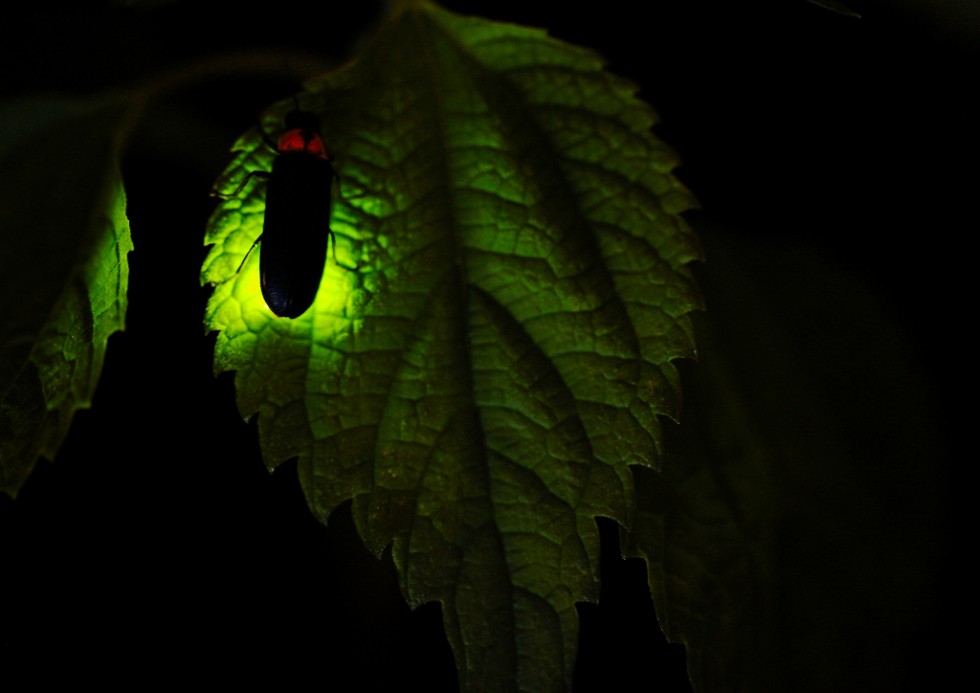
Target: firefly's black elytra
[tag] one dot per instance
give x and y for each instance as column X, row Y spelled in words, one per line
column 296, row 229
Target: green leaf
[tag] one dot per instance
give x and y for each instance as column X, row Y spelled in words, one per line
column 481, row 385
column 64, row 241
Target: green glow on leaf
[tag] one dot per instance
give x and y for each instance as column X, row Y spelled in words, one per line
column 480, row 386
column 64, row 270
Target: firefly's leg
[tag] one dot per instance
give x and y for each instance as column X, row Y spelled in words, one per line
column 247, row 254
column 333, row 248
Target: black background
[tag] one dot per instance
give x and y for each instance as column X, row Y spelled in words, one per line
column 158, row 543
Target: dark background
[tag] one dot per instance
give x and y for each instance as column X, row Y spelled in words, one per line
column 157, row 540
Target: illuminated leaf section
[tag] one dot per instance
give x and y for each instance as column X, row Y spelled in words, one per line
column 64, row 242
column 481, row 384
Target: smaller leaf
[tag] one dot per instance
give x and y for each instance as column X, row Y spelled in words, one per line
column 790, row 539
column 64, row 241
